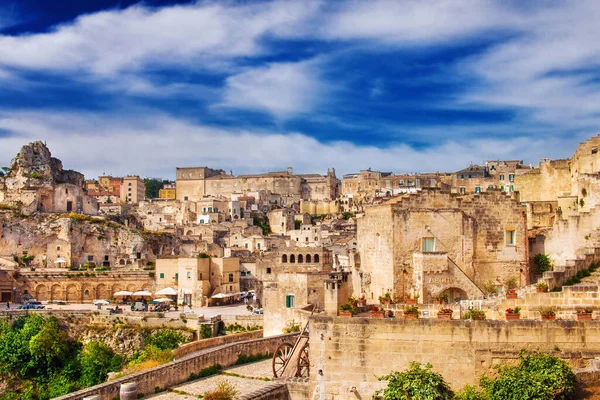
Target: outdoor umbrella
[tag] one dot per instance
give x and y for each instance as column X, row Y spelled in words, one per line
column 143, row 293
column 162, row 300
column 221, row 295
column 167, row 292
column 103, row 302
column 122, row 293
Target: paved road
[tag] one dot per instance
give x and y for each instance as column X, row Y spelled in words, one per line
column 235, row 309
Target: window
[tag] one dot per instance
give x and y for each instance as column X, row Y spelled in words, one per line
column 176, row 276
column 501, row 177
column 511, row 177
column 432, row 182
column 268, row 270
column 417, row 182
column 512, row 188
column 284, row 258
column 462, row 190
column 428, row 245
column 129, row 189
column 57, row 248
column 90, row 258
column 402, row 183
column 230, row 277
column 510, row 237
column 477, row 189
column 129, row 184
column 258, row 246
column 246, row 245
column 189, row 275
column 462, row 176
column 105, row 258
column 290, row 301
column 162, row 275
column 469, row 176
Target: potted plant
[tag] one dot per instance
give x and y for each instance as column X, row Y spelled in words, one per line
column 548, row 313
column 376, row 312
column 411, row 312
column 353, row 301
column 476, row 315
column 385, row 299
column 411, row 299
column 584, row 314
column 541, row 287
column 445, row 313
column 346, row 310
column 511, row 294
column 440, row 299
column 513, row 314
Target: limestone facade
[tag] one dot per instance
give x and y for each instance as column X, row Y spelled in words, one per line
column 431, row 243
column 281, row 220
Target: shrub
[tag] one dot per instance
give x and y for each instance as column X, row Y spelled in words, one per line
column 168, row 339
column 411, row 310
column 224, row 391
column 489, row 287
column 547, row 311
column 205, row 331
column 542, row 262
column 543, row 286
column 291, row 327
column 417, row 383
column 476, row 315
column 511, row 283
column 36, row 175
column 538, row 376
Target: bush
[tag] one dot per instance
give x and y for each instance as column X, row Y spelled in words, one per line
column 538, row 376
column 542, row 262
column 205, row 331
column 224, row 391
column 168, row 339
column 291, row 327
column 417, row 383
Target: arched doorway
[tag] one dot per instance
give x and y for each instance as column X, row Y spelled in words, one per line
column 56, row 293
column 72, row 293
column 102, row 292
column 455, row 294
column 41, row 293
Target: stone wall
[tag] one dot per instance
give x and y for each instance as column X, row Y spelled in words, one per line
column 352, row 352
column 179, row 371
column 203, row 344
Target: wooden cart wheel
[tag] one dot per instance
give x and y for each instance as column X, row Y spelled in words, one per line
column 303, row 363
column 280, row 357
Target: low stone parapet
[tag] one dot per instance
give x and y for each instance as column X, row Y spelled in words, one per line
column 179, row 371
column 198, row 345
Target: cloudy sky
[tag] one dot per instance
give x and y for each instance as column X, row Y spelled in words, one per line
column 126, row 87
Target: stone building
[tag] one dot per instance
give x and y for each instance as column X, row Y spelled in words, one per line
column 132, row 190
column 434, row 243
column 38, row 183
column 194, row 183
column 198, row 279
column 281, row 220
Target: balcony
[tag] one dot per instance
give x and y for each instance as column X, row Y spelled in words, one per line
column 431, row 262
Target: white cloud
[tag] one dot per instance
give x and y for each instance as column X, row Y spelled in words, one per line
column 154, row 146
column 281, row 89
column 196, row 35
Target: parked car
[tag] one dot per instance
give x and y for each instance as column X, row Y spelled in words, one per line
column 257, row 311
column 31, row 306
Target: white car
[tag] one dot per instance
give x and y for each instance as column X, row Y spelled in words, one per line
column 257, row 311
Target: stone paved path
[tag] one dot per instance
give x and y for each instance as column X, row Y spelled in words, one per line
column 249, row 378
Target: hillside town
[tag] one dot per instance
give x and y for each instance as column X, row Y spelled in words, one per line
column 299, row 249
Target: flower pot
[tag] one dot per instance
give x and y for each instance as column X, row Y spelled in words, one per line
column 361, row 303
column 411, row 316
column 548, row 317
column 537, row 290
column 512, row 317
column 385, row 302
column 345, row 314
column 584, row 316
column 511, row 296
column 445, row 316
column 377, row 314
column 437, row 302
column 410, row 301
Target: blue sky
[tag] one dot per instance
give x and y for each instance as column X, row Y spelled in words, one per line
column 126, row 87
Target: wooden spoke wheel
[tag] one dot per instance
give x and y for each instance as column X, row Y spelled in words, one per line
column 280, row 357
column 303, row 363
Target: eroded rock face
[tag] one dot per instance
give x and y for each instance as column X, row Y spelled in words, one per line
column 35, row 162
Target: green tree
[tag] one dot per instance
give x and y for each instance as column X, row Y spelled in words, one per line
column 538, row 376
column 417, row 383
column 543, row 262
column 152, row 186
column 97, row 360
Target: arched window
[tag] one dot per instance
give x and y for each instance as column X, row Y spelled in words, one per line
column 300, row 258
column 308, row 258
column 121, row 262
column 316, row 258
column 284, row 258
column 292, row 258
